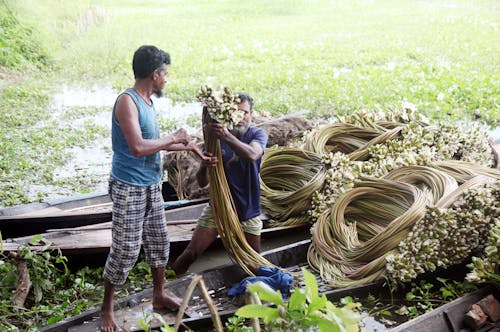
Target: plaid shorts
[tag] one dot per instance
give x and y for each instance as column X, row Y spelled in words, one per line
column 251, row 226
column 138, row 216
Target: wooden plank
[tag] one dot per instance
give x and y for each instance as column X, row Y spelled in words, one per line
column 98, row 236
column 127, row 318
column 89, row 238
column 72, row 214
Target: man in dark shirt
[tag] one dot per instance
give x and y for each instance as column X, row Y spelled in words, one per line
column 242, row 149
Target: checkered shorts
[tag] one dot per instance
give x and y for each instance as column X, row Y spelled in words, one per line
column 251, row 226
column 138, row 215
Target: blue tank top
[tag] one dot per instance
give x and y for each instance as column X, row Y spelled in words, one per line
column 136, row 171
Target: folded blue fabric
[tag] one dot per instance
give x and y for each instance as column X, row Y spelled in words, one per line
column 276, row 278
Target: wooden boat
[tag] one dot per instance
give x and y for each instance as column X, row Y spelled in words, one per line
column 70, row 212
column 219, row 279
column 90, row 244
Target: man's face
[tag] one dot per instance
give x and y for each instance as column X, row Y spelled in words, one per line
column 159, row 80
column 242, row 126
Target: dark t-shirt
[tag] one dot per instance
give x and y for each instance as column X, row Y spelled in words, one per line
column 243, row 176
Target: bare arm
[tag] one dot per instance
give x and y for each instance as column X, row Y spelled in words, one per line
column 249, row 152
column 127, row 115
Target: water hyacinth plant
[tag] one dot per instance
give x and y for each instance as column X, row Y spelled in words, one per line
column 447, row 236
column 416, row 142
column 486, row 267
column 221, row 105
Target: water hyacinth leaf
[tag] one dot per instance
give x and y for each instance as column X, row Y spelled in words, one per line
column 311, row 285
column 266, row 293
column 345, row 317
column 258, row 311
column 297, row 300
column 35, row 239
column 143, row 324
column 318, row 303
column 326, row 325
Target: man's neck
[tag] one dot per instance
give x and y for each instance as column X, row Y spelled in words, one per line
column 144, row 91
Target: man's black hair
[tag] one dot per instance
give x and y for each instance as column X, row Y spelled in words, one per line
column 147, row 59
column 245, row 97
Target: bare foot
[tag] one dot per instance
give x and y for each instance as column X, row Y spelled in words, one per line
column 108, row 323
column 164, row 302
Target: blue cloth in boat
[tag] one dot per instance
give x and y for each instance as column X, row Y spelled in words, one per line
column 277, row 279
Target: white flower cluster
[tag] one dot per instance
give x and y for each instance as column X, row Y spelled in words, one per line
column 339, row 178
column 221, row 105
column 404, row 115
column 475, row 147
column 417, row 144
column 486, row 267
column 446, row 236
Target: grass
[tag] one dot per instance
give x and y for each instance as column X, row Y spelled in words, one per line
column 327, row 57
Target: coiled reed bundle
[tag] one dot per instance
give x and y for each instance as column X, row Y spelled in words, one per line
column 351, row 240
column 339, row 137
column 425, row 178
column 288, row 178
column 363, row 152
column 463, row 171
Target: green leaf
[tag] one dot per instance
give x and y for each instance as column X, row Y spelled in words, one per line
column 266, row 293
column 311, row 284
column 54, row 319
column 410, row 296
column 317, row 304
column 446, row 293
column 142, row 324
column 346, row 300
column 342, row 315
column 258, row 311
column 326, row 325
column 35, row 239
column 297, row 299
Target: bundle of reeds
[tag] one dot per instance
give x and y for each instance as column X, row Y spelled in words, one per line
column 224, row 211
column 350, row 241
column 288, row 179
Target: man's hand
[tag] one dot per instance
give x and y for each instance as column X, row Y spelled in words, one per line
column 180, row 136
column 216, row 129
column 202, row 176
column 208, row 160
column 206, row 157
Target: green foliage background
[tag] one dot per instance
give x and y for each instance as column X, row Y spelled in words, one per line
column 326, row 57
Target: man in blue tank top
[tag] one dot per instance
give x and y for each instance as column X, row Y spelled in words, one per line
column 242, row 149
column 135, row 183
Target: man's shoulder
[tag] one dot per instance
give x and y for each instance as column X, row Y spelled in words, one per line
column 256, row 130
